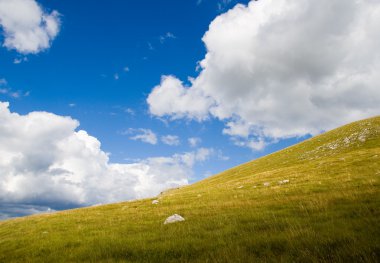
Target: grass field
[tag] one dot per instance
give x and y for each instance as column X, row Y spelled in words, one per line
column 329, row 211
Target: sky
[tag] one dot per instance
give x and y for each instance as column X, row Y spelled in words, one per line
column 107, row 101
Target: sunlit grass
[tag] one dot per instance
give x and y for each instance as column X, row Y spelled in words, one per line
column 328, row 212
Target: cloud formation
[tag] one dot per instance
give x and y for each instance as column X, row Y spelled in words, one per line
column 171, row 140
column 6, row 90
column 144, row 135
column 168, row 35
column 27, row 27
column 47, row 164
column 276, row 69
column 194, row 141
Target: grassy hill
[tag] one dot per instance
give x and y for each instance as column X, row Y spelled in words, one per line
column 329, row 211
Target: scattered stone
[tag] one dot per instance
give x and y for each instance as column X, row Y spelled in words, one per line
column 283, row 181
column 240, row 187
column 266, row 184
column 154, row 202
column 362, row 138
column 199, row 195
column 173, row 219
column 333, row 146
column 45, row 232
column 254, row 186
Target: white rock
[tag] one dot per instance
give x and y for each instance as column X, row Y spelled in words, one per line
column 173, row 219
column 283, row 181
column 266, row 184
column 240, row 187
column 154, row 202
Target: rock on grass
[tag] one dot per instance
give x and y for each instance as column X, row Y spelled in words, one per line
column 173, row 219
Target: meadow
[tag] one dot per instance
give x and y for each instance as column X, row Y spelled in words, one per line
column 317, row 201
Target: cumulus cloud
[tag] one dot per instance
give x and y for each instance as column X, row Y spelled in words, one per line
column 171, row 140
column 27, row 27
column 276, row 69
column 144, row 135
column 47, row 164
column 194, row 141
column 172, row 98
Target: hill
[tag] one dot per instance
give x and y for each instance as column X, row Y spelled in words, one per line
column 317, row 201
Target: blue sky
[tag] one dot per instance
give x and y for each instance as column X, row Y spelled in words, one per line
column 99, row 40
column 262, row 86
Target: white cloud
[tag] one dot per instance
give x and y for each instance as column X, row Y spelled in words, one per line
column 171, row 140
column 20, row 60
column 200, row 155
column 10, row 93
column 168, row 35
column 150, row 46
column 144, row 135
column 194, row 141
column 130, row 111
column 173, row 99
column 27, row 28
column 5, row 90
column 221, row 156
column 46, row 164
column 116, row 76
column 126, row 69
column 255, row 144
column 276, row 69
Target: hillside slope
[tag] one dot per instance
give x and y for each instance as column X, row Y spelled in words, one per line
column 327, row 211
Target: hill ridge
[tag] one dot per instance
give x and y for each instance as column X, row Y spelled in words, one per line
column 299, row 204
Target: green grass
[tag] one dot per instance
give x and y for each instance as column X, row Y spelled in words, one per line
column 328, row 212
